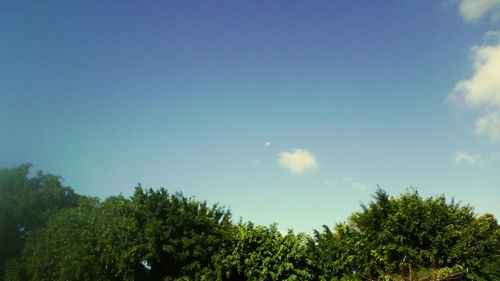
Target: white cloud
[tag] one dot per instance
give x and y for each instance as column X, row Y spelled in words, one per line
column 267, row 143
column 464, row 157
column 355, row 184
column 358, row 185
column 298, row 161
column 492, row 35
column 489, row 125
column 482, row 90
column 256, row 162
column 331, row 183
column 472, row 10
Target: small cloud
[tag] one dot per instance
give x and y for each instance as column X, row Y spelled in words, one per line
column 473, row 10
column 492, row 35
column 347, row 179
column 489, row 125
column 355, row 184
column 267, row 143
column 358, row 185
column 464, row 157
column 331, row 183
column 256, row 162
column 298, row 161
column 493, row 157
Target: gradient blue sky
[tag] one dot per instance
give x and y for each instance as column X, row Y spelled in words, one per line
column 185, row 94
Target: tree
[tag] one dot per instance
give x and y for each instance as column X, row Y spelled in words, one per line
column 95, row 241
column 66, row 248
column 263, row 253
column 332, row 260
column 410, row 238
column 25, row 204
column 181, row 236
column 47, row 232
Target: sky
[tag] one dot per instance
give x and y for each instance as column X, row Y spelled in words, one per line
column 291, row 112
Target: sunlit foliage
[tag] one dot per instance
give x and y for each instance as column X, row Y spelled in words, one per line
column 47, row 232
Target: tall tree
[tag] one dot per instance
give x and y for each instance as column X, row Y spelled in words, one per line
column 95, row 241
column 25, row 204
column 263, row 253
column 410, row 236
column 181, row 236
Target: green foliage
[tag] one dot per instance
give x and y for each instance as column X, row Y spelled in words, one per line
column 91, row 242
column 25, row 204
column 480, row 248
column 47, row 232
column 263, row 253
column 66, row 248
column 408, row 235
column 151, row 236
column 331, row 255
column 181, row 236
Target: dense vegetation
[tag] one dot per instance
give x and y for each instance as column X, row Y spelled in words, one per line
column 47, row 232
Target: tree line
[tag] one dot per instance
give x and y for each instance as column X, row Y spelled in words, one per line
column 48, row 232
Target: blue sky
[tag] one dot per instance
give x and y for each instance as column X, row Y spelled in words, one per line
column 285, row 111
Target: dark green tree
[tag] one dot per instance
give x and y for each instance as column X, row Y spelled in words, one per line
column 263, row 253
column 95, row 241
column 47, row 232
column 25, row 204
column 332, row 260
column 411, row 238
column 182, row 237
